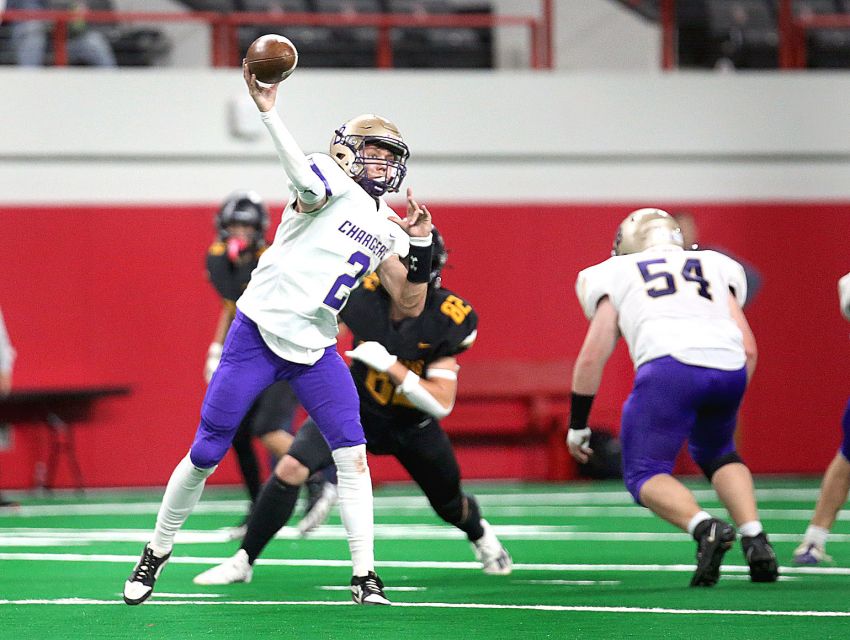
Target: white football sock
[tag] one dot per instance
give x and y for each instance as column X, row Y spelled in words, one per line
column 701, row 516
column 181, row 495
column 751, row 528
column 355, row 506
column 816, row 535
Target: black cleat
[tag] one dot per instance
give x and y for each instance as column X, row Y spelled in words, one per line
column 714, row 538
column 368, row 589
column 760, row 557
column 139, row 585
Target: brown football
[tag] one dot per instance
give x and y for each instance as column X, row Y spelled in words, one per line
column 271, row 58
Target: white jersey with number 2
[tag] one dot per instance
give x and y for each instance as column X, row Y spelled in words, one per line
column 304, row 278
column 672, row 303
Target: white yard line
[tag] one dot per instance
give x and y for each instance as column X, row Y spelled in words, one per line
column 449, row 605
column 411, row 502
column 415, row 564
column 39, row 536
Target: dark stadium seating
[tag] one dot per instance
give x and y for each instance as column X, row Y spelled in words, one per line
column 744, row 34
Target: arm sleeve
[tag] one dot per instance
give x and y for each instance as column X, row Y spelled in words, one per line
column 308, row 183
column 844, row 295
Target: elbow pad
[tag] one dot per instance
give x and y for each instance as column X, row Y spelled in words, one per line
column 420, row 398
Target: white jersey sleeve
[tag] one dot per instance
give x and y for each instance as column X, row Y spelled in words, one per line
column 671, row 303
column 401, row 244
column 732, row 273
column 592, row 285
column 844, row 295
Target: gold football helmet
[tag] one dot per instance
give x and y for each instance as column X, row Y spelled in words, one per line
column 347, row 150
column 645, row 228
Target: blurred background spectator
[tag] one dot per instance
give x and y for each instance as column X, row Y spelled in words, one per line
column 87, row 44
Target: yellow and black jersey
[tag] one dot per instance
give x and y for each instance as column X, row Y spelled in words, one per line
column 446, row 327
column 228, row 278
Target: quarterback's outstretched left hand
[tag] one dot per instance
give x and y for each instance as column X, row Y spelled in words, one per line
column 417, row 224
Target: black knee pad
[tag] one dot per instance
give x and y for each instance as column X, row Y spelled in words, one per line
column 711, row 467
column 310, row 448
column 452, row 511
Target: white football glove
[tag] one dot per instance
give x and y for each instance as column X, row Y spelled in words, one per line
column 213, row 358
column 578, row 440
column 373, row 355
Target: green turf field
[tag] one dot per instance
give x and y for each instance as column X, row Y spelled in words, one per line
column 588, row 564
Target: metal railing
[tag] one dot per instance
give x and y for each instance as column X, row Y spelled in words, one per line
column 225, row 48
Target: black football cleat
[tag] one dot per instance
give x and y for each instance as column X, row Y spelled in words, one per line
column 139, row 585
column 368, row 589
column 714, row 538
column 760, row 557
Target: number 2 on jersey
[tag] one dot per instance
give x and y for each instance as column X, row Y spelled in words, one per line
column 691, row 271
column 333, row 299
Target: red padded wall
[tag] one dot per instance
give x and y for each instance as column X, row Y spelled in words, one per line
column 117, row 295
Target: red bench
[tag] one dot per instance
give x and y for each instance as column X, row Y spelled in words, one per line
column 510, row 419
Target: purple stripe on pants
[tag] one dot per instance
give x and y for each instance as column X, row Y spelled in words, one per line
column 672, row 402
column 325, row 389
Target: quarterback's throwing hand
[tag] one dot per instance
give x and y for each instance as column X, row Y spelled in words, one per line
column 578, row 440
column 264, row 96
column 373, row 355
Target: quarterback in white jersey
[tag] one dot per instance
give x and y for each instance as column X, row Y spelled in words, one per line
column 334, row 232
column 299, row 287
column 680, row 314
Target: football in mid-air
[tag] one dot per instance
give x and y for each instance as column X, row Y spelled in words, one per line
column 272, row 58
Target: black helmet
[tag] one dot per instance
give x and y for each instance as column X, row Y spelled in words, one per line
column 439, row 257
column 243, row 207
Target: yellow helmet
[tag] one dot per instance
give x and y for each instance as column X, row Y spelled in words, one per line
column 347, row 149
column 645, row 228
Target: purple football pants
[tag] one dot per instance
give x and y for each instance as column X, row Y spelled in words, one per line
column 325, row 389
column 670, row 403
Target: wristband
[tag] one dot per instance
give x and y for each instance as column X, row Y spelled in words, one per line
column 419, row 264
column 579, row 410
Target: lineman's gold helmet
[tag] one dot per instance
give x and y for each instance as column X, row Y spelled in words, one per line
column 645, row 228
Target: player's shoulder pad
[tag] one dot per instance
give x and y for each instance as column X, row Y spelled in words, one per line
column 732, row 272
column 457, row 318
column 844, row 295
column 593, row 284
column 336, row 180
column 217, row 248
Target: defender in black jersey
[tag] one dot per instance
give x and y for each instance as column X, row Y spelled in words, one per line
column 241, row 223
column 405, row 371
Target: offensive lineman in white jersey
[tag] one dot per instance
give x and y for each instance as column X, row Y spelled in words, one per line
column 680, row 314
column 335, row 231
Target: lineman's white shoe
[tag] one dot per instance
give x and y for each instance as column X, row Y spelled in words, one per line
column 812, row 554
column 494, row 558
column 320, row 511
column 234, row 569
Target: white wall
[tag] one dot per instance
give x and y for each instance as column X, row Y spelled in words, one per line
column 89, row 135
